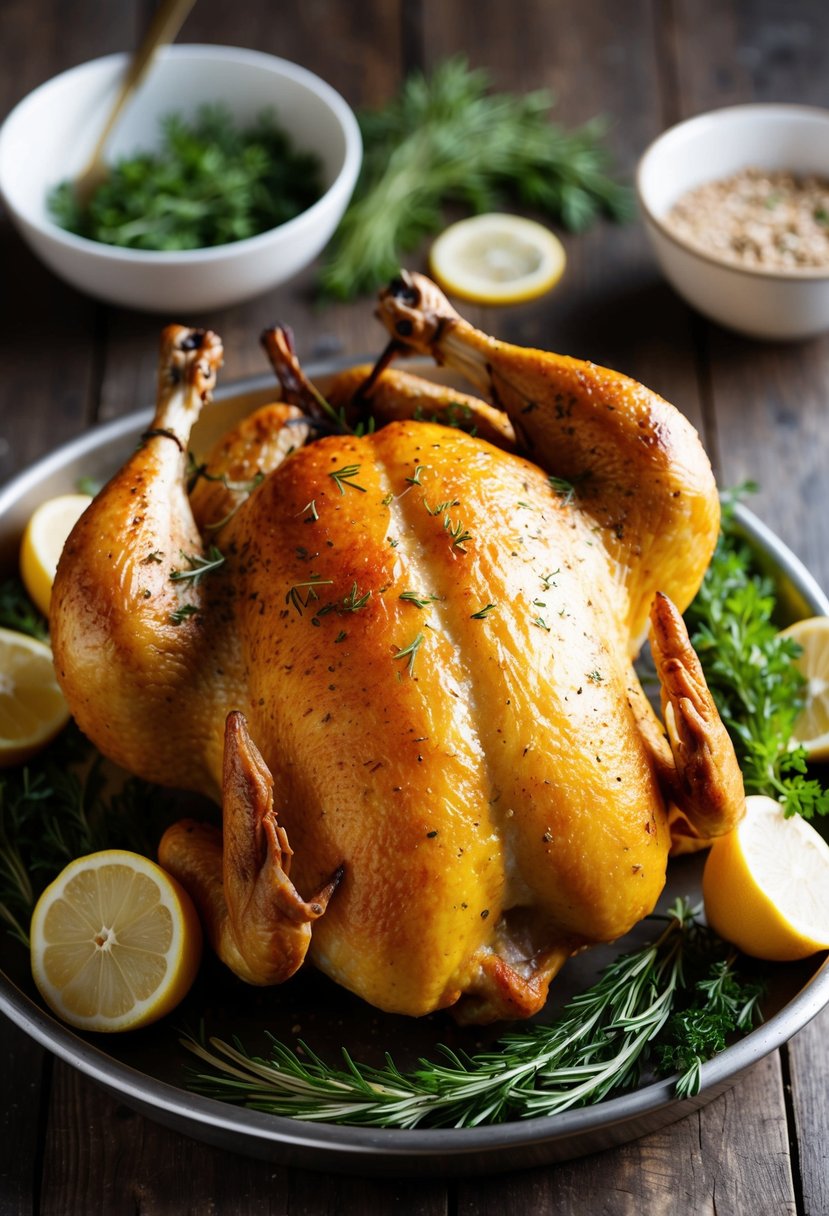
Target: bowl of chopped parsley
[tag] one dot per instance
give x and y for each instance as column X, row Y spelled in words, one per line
column 229, row 171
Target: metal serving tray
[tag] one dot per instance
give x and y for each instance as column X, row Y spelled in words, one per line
column 147, row 1069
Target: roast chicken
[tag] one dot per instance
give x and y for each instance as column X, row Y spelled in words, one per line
column 392, row 633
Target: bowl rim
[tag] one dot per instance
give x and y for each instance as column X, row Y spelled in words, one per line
column 710, row 118
column 345, row 178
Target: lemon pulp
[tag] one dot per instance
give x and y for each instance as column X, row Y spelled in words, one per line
column 497, row 259
column 32, row 708
column 115, row 942
column 811, row 729
column 766, row 884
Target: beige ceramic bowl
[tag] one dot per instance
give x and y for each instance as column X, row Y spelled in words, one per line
column 760, row 303
column 50, row 134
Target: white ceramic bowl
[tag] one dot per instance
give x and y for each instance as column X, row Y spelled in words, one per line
column 760, row 303
column 50, row 134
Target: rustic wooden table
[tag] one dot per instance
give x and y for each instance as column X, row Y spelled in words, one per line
column 68, row 362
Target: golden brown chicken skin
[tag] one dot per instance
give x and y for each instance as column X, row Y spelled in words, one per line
column 413, row 663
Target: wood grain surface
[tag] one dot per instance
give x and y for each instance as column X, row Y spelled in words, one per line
column 67, row 362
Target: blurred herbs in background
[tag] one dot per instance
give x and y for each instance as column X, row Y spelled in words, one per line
column 448, row 139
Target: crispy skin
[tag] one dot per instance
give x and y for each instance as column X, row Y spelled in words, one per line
column 495, row 769
column 431, row 644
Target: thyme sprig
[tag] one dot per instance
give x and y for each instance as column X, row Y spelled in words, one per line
column 600, row 1045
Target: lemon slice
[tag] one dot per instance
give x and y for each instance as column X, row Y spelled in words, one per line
column 115, row 942
column 766, row 884
column 811, row 729
column 32, row 708
column 497, row 259
column 43, row 542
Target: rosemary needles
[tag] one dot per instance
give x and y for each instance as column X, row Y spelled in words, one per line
column 599, row 1046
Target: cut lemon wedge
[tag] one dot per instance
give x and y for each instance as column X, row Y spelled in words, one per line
column 43, row 542
column 811, row 729
column 32, row 708
column 497, row 259
column 766, row 884
column 115, row 942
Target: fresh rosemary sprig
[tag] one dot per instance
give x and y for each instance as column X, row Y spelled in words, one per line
column 758, row 690
column 199, row 566
column 599, row 1045
column 344, row 477
column 447, row 139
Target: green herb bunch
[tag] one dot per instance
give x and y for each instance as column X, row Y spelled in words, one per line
column 210, row 183
column 447, row 139
column 600, row 1045
column 758, row 689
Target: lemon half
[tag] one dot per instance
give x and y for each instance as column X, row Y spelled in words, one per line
column 497, row 259
column 32, row 708
column 766, row 884
column 43, row 542
column 811, row 729
column 115, row 942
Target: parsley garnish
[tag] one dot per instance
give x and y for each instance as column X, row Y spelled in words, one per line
column 758, row 690
column 210, row 183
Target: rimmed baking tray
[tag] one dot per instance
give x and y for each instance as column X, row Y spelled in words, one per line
column 147, row 1069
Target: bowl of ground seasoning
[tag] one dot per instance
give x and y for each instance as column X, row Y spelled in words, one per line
column 736, row 205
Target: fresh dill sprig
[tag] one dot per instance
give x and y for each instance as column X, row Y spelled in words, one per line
column 599, row 1045
column 446, row 138
column 750, row 671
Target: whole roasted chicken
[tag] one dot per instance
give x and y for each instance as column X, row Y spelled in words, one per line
column 407, row 650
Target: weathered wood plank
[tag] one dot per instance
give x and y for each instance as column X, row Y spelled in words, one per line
column 732, row 1156
column 22, row 1066
column 103, row 1158
column 808, row 1065
column 47, row 330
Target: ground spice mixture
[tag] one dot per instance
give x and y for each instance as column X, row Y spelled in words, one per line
column 766, row 220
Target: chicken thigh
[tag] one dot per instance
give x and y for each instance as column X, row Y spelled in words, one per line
column 408, row 652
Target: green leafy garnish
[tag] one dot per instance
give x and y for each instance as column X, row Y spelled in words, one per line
column 18, row 612
column 209, row 183
column 447, row 139
column 600, row 1045
column 55, row 809
column 758, row 689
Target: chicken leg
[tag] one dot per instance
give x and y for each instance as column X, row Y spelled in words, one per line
column 255, row 919
column 635, row 463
